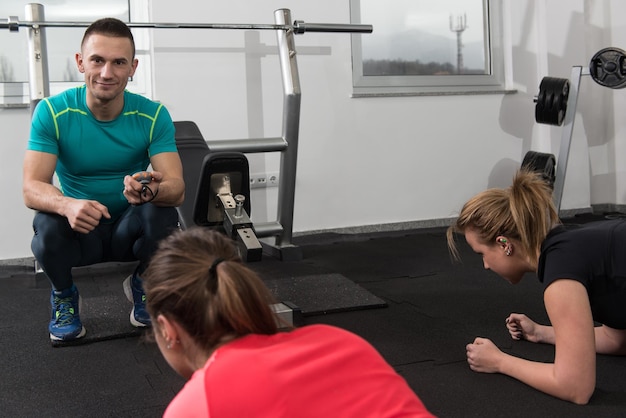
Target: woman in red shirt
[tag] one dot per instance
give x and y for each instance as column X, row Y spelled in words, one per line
column 214, row 324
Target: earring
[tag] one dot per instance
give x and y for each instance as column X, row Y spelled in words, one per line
column 507, row 251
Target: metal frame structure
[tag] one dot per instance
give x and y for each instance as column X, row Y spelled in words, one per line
column 566, row 133
column 287, row 144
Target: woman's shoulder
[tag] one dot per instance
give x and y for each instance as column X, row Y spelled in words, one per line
column 327, row 332
column 191, row 400
column 308, row 338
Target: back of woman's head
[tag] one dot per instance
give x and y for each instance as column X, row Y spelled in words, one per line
column 524, row 212
column 196, row 278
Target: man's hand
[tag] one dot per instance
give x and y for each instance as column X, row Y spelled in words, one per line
column 138, row 193
column 85, row 215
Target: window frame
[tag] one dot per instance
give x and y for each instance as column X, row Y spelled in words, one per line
column 399, row 85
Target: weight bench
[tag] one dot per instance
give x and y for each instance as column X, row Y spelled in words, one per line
column 217, row 190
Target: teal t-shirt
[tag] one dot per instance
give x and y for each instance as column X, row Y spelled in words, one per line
column 94, row 156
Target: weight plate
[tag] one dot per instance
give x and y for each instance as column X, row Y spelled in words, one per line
column 541, row 163
column 608, row 68
column 551, row 103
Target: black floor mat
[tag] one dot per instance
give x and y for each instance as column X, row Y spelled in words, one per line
column 314, row 287
column 323, row 293
column 434, row 308
column 105, row 310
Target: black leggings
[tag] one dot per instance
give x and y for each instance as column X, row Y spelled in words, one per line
column 134, row 236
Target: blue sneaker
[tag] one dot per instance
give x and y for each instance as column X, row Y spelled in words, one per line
column 65, row 323
column 134, row 292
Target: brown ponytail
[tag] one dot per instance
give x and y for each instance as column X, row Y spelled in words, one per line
column 196, row 277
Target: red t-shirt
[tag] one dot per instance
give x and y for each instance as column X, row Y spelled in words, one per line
column 314, row 371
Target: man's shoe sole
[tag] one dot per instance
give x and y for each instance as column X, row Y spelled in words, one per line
column 129, row 295
column 80, row 335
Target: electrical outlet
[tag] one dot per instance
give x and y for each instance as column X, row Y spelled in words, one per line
column 262, row 180
column 272, row 180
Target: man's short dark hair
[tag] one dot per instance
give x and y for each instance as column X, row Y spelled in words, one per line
column 109, row 26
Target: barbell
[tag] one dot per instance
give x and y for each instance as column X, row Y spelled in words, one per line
column 298, row 26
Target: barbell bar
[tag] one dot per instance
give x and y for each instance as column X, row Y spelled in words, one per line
column 298, row 26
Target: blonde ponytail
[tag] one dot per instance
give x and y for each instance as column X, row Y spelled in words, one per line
column 524, row 212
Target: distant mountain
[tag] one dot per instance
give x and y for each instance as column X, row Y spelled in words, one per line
column 426, row 47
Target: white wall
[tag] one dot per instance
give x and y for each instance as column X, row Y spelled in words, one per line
column 614, row 148
column 370, row 161
column 15, row 218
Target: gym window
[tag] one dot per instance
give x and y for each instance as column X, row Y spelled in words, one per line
column 421, row 47
column 62, row 43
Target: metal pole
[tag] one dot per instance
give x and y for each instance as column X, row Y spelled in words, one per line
column 38, row 62
column 291, row 126
column 250, row 145
column 298, row 26
column 566, row 134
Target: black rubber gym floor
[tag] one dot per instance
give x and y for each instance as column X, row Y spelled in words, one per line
column 398, row 290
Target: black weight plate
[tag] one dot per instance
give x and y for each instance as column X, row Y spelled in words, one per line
column 558, row 109
column 549, row 107
column 540, row 105
column 608, row 68
column 540, row 113
column 551, row 103
column 541, row 163
column 544, row 102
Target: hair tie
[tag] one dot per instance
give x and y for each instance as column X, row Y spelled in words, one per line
column 213, row 274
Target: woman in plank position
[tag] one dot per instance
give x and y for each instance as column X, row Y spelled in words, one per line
column 583, row 272
column 214, row 325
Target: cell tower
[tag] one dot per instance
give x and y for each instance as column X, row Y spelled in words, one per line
column 458, row 25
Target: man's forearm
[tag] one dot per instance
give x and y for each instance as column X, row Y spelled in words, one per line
column 44, row 197
column 170, row 193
